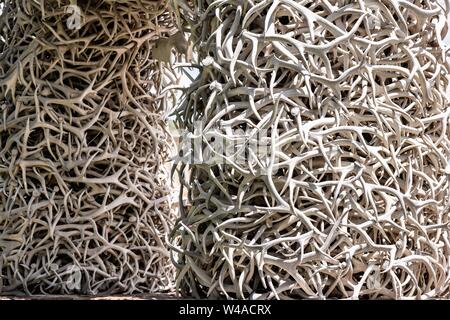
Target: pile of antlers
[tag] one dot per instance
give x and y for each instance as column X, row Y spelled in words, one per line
column 352, row 199
column 348, row 198
column 83, row 148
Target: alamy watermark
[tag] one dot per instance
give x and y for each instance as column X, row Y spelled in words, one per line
column 70, row 276
column 73, row 281
column 75, row 19
column 225, row 145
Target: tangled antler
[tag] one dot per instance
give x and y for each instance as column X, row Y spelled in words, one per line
column 83, row 148
column 353, row 198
